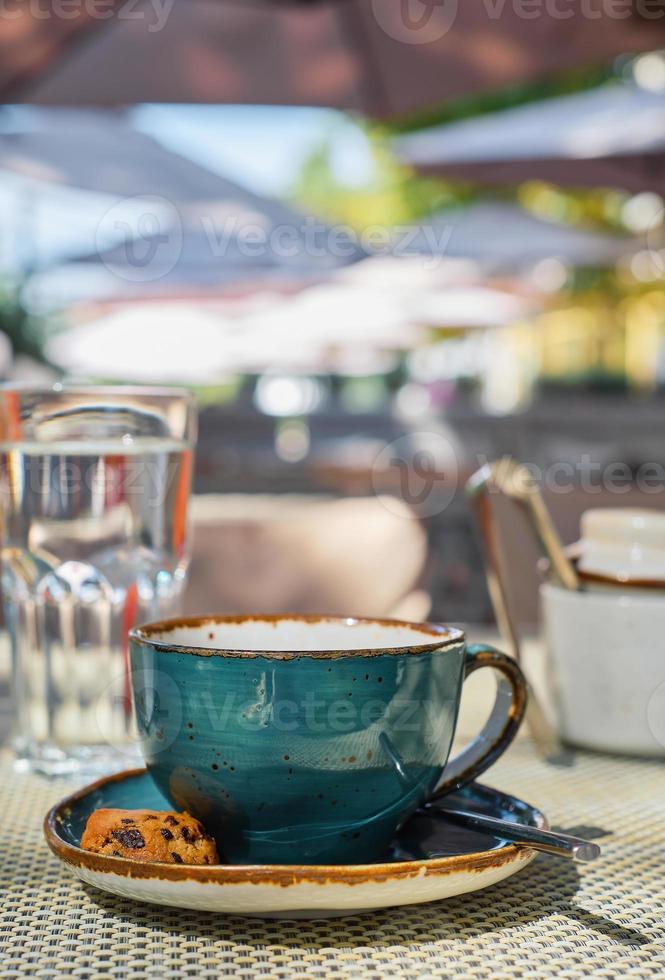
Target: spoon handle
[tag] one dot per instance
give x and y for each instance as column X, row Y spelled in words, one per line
column 563, row 845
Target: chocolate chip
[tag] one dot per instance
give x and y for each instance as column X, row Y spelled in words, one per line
column 166, row 833
column 171, row 821
column 126, row 820
column 116, row 854
column 187, row 835
column 151, row 816
column 132, row 839
column 176, row 857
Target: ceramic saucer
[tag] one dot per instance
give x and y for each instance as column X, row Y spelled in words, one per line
column 430, row 859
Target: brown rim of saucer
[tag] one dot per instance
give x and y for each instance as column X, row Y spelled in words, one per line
column 279, row 875
column 446, row 636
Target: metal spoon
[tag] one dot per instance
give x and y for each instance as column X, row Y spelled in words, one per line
column 516, row 482
column 562, row 845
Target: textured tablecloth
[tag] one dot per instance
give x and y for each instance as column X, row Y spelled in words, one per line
column 554, row 919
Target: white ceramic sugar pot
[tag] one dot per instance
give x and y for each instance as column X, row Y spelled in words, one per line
column 606, row 640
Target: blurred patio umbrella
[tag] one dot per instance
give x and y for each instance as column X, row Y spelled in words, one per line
column 410, row 272
column 324, row 329
column 470, row 307
column 103, row 153
column 338, row 328
column 446, row 291
column 100, row 151
column 504, row 237
column 163, row 343
column 44, row 223
column 612, row 136
column 383, row 58
column 163, row 219
column 186, row 342
column 331, row 328
column 211, row 249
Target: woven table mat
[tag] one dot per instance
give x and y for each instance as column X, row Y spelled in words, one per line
column 554, row 919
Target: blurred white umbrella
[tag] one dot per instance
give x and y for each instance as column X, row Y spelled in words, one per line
column 382, row 58
column 335, row 313
column 409, row 272
column 502, row 237
column 314, row 331
column 332, row 328
column 473, row 306
column 160, row 342
column 325, row 324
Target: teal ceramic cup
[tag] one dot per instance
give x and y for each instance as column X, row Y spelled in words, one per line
column 310, row 739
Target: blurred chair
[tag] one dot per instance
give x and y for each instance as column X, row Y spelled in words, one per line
column 289, row 553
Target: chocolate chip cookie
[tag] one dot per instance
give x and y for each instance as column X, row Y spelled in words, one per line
column 149, row 835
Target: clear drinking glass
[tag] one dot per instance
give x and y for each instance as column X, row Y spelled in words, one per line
column 94, row 487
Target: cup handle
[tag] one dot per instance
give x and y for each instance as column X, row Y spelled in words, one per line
column 501, row 726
